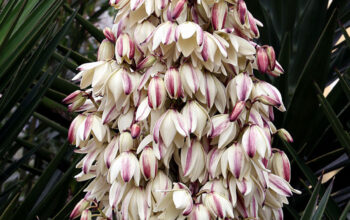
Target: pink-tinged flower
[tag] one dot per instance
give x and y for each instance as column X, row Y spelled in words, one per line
column 124, row 49
column 109, row 34
column 254, row 140
column 75, row 99
column 193, row 160
column 92, row 125
column 279, row 185
column 277, row 71
column 117, row 192
column 135, row 131
column 161, row 184
column 106, row 50
column 218, row 15
column 86, row 215
column 168, row 126
column 79, row 208
column 218, row 206
column 191, row 78
column 111, row 151
column 188, row 36
column 127, row 165
column 146, row 62
column 173, row 83
column 90, row 157
column 148, row 163
column 73, row 129
column 219, row 123
column 137, row 204
column 281, row 165
column 177, row 203
column 156, row 93
column 213, row 162
column 262, row 59
column 177, row 8
column 196, row 117
column 143, row 110
column 242, row 11
column 199, row 212
column 121, row 84
column 268, row 94
column 285, row 135
column 237, row 110
column 252, row 24
column 244, row 86
column 271, row 57
column 234, row 160
column 165, row 34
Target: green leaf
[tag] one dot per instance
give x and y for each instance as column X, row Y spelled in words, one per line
column 345, row 34
column 95, row 32
column 304, row 102
column 345, row 212
column 311, row 205
column 343, row 136
column 322, row 205
column 23, row 39
column 39, row 186
column 10, row 208
column 13, row 126
column 64, row 212
column 15, row 165
column 343, row 84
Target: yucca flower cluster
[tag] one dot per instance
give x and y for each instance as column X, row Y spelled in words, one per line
column 173, row 122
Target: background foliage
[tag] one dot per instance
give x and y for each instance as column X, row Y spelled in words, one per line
column 42, row 43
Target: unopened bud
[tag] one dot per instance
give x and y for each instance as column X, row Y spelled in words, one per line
column 271, row 57
column 147, row 62
column 237, row 110
column 135, row 131
column 106, row 50
column 148, row 163
column 109, row 34
column 77, row 104
column 173, row 83
column 79, row 208
column 126, row 142
column 86, row 215
column 156, row 93
column 284, row 134
column 262, row 60
column 74, row 96
column 281, row 165
column 242, row 10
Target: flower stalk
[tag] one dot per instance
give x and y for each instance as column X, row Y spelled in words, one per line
column 174, row 121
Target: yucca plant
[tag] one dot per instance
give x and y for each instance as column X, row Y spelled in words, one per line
column 43, row 42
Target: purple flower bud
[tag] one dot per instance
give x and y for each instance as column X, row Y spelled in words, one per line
column 262, row 60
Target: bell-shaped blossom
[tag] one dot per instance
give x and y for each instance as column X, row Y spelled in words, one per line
column 218, row 206
column 254, row 140
column 137, row 204
column 173, row 83
column 234, row 159
column 281, row 165
column 199, row 212
column 177, row 203
column 156, row 93
column 193, row 160
column 148, row 163
column 127, row 165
